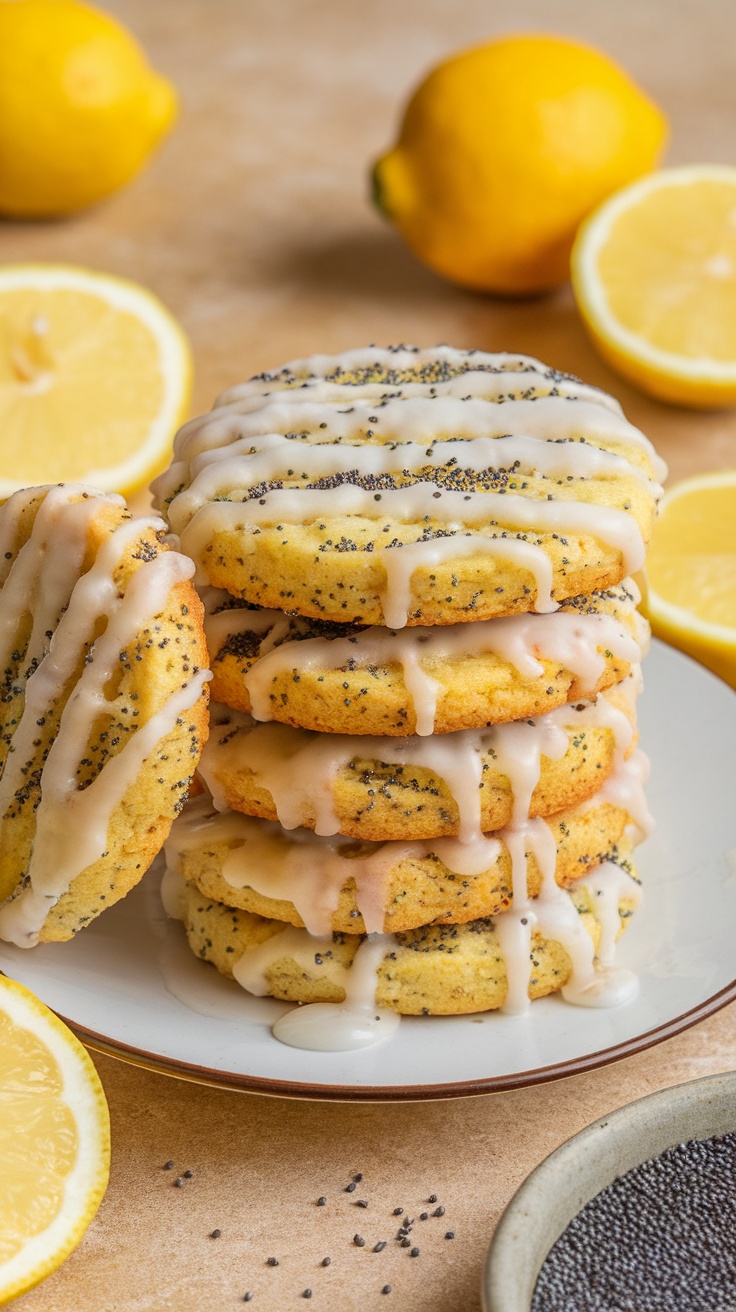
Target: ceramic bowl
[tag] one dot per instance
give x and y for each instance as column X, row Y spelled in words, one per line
column 555, row 1192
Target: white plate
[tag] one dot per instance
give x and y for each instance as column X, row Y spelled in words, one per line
column 109, row 983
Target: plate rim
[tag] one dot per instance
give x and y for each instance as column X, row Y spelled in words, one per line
column 403, row 1093
column 372, row 1093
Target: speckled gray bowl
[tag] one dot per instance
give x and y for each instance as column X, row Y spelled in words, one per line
column 555, row 1192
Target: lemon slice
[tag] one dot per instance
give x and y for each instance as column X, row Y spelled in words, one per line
column 94, row 379
column 54, row 1141
column 691, row 568
column 654, row 274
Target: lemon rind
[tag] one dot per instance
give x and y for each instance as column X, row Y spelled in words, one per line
column 174, row 353
column 594, row 303
column 86, row 1185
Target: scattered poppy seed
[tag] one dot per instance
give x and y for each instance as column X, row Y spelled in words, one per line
column 326, row 1261
column 247, row 1296
column 307, row 1293
column 432, row 1198
column 405, row 1243
column 350, row 1188
column 178, row 1181
column 272, row 1261
column 398, row 1211
column 168, row 1166
column 386, row 1289
column 357, row 1178
column 188, row 1175
column 321, row 1201
column 215, row 1234
column 359, row 1241
column 438, row 1211
column 424, row 1216
column 380, row 1246
column 414, row 1252
column 361, row 1202
column 450, row 1234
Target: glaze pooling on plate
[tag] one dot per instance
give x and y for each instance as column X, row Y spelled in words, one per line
column 442, row 970
column 482, row 462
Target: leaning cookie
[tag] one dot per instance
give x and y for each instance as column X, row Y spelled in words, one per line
column 333, row 884
column 415, row 788
column 442, row 970
column 104, row 708
column 338, row 679
column 397, row 487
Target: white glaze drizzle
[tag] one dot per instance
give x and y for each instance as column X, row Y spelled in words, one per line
column 573, row 641
column 309, row 870
column 625, row 788
column 263, row 433
column 71, row 825
column 299, row 768
column 416, row 503
column 348, row 1025
column 326, row 1027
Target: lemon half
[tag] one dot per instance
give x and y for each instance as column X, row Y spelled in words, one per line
column 54, row 1141
column 691, row 569
column 95, row 377
column 654, row 275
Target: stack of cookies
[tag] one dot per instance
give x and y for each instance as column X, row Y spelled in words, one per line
column 421, row 785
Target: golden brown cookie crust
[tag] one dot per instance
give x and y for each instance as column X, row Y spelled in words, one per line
column 319, row 556
column 362, row 694
column 444, row 970
column 420, row 889
column 377, row 801
column 168, row 652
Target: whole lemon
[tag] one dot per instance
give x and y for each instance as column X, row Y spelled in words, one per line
column 80, row 107
column 504, row 149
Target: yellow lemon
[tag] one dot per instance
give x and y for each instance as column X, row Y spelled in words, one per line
column 654, row 274
column 80, row 107
column 504, row 149
column 54, row 1141
column 94, row 379
column 691, row 568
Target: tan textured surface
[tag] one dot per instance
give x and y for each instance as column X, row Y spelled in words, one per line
column 252, row 225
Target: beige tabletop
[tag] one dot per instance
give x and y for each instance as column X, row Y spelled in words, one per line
column 253, row 225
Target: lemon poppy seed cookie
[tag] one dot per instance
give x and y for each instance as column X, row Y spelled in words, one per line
column 439, row 970
column 345, row 679
column 414, row 788
column 334, row 884
column 406, row 486
column 103, row 714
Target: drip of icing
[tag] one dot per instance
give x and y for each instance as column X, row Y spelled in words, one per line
column 625, row 788
column 417, row 503
column 611, row 985
column 71, row 825
column 299, row 769
column 310, row 871
column 575, row 642
column 345, row 1026
column 172, row 894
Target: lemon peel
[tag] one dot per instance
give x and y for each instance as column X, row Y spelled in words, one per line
column 55, row 1141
